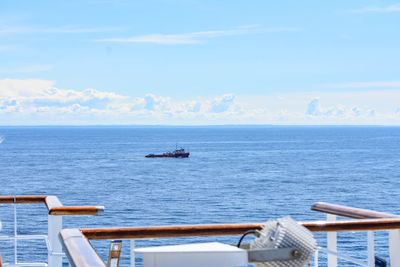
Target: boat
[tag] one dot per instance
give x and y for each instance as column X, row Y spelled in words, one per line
column 177, row 153
column 74, row 244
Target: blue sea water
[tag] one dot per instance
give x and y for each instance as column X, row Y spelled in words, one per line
column 234, row 174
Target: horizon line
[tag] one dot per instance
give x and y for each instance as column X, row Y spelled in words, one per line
column 196, row 125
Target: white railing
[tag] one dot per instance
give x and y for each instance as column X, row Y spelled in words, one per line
column 333, row 255
column 56, row 211
column 333, row 210
column 378, row 222
column 55, row 254
column 332, row 252
column 82, row 237
column 16, row 237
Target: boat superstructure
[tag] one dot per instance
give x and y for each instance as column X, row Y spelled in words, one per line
column 177, row 153
column 76, row 243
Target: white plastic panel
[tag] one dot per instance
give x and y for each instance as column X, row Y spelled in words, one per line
column 194, row 255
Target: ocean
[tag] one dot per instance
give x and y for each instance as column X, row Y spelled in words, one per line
column 234, row 174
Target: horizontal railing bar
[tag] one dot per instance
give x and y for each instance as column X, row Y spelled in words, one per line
column 77, row 210
column 79, row 250
column 168, row 231
column 53, row 204
column 350, row 212
column 232, row 229
column 26, row 264
column 354, row 225
column 22, row 199
column 23, row 237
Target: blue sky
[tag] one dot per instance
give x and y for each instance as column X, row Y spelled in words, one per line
column 199, row 62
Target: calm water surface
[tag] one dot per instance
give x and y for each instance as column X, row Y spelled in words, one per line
column 234, row 174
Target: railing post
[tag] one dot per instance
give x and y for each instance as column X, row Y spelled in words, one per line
column 371, row 249
column 15, row 234
column 55, row 250
column 332, row 243
column 316, row 257
column 394, row 247
column 132, row 252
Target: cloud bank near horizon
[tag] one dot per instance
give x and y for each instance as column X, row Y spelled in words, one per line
column 41, row 102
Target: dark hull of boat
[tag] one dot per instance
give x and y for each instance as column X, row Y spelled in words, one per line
column 181, row 155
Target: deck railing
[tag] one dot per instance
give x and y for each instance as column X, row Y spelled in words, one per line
column 334, row 210
column 350, row 212
column 56, row 211
column 81, row 253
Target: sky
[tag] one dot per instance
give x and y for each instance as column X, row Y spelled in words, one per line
column 199, row 62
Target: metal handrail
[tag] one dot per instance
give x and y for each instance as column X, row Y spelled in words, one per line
column 79, row 250
column 81, row 253
column 333, row 210
column 56, row 210
column 232, row 229
column 53, row 204
column 350, row 212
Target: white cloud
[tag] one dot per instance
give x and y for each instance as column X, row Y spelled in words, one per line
column 222, row 104
column 164, row 39
column 24, row 88
column 194, row 37
column 36, row 101
column 371, row 113
column 153, row 102
column 193, row 106
column 41, row 100
column 8, row 105
column 36, row 90
column 356, row 111
column 382, row 9
column 35, row 95
column 313, row 107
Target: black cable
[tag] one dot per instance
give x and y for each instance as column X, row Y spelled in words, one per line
column 254, row 232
